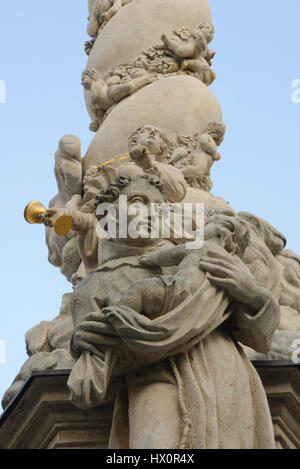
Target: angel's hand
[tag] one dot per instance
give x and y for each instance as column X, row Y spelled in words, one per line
column 94, row 334
column 50, row 215
column 139, row 154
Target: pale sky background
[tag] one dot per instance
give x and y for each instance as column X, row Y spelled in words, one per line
column 41, row 60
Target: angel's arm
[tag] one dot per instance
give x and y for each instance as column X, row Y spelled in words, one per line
column 81, row 222
column 117, row 4
column 122, row 90
column 178, row 155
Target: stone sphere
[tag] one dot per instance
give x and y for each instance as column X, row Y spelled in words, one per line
column 177, row 104
column 139, row 25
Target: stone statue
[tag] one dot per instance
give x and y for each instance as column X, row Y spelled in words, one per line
column 196, row 165
column 149, row 148
column 286, row 270
column 290, row 292
column 190, row 48
column 84, row 225
column 63, row 251
column 101, row 12
column 161, row 328
column 105, row 95
column 186, row 52
column 124, row 314
column 47, row 346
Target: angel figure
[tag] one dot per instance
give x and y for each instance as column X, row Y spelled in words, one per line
column 149, row 149
column 105, row 95
column 101, row 12
column 62, row 251
column 190, row 48
column 196, row 166
column 83, row 216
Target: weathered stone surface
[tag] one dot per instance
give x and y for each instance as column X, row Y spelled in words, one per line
column 281, row 381
column 148, row 313
column 177, row 105
column 47, row 346
column 139, row 25
column 42, row 417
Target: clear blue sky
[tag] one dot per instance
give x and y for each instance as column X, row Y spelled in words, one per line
column 42, row 56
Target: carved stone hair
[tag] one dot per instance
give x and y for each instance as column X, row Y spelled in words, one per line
column 166, row 144
column 113, row 191
column 92, row 73
column 216, row 130
column 208, row 31
column 233, row 230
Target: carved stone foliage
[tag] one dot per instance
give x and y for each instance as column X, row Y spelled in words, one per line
column 185, row 52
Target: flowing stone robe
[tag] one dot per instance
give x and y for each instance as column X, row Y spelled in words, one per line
column 186, row 383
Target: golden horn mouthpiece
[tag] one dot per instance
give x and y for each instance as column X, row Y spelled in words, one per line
column 34, row 212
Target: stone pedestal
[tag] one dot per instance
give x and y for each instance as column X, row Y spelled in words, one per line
column 281, row 381
column 42, row 417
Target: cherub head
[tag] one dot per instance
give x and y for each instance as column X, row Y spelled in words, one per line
column 142, row 192
column 216, row 130
column 153, row 139
column 89, row 77
column 208, row 30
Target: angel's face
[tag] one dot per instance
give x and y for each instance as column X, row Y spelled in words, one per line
column 150, row 137
column 199, row 38
column 208, row 32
